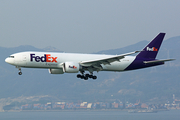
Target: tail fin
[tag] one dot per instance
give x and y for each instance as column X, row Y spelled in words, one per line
column 151, row 50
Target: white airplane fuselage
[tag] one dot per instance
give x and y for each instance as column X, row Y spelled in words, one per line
column 36, row 60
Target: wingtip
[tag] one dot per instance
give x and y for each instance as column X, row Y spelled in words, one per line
column 172, row 59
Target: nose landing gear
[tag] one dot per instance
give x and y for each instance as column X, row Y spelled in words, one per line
column 20, row 73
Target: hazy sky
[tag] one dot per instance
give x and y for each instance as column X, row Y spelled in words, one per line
column 86, row 26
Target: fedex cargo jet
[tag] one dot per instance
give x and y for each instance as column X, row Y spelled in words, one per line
column 59, row 63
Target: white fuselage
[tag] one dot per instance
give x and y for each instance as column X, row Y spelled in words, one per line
column 53, row 60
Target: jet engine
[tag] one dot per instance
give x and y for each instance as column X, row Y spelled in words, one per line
column 56, row 71
column 71, row 67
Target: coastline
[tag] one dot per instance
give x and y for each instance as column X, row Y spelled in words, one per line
column 84, row 110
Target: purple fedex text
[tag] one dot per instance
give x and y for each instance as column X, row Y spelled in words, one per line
column 45, row 58
column 37, row 58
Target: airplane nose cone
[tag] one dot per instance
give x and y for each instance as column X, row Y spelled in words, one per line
column 8, row 60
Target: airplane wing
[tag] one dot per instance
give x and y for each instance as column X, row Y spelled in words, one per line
column 156, row 61
column 109, row 60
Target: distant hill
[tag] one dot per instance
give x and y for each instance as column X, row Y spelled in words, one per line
column 134, row 47
column 151, row 84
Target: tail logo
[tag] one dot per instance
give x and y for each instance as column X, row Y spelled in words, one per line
column 151, row 49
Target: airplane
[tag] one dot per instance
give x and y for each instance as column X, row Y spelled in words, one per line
column 60, row 63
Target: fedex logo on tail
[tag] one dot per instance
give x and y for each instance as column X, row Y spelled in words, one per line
column 151, row 49
column 45, row 58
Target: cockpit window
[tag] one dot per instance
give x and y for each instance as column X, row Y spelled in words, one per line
column 11, row 56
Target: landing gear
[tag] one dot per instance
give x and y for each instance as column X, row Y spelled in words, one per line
column 94, row 77
column 82, row 77
column 86, row 76
column 20, row 73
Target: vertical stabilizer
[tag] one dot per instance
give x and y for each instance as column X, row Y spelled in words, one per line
column 151, row 50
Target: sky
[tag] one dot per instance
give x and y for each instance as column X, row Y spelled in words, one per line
column 86, row 26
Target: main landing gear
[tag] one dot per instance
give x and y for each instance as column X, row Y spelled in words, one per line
column 86, row 76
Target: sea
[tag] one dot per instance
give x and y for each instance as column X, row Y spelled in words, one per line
column 90, row 115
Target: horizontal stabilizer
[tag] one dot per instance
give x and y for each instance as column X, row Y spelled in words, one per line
column 156, row 61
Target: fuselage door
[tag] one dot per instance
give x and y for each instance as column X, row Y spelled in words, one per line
column 24, row 58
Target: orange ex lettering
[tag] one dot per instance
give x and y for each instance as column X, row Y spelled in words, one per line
column 54, row 59
column 47, row 58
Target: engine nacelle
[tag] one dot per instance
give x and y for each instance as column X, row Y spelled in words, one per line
column 56, row 71
column 71, row 67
